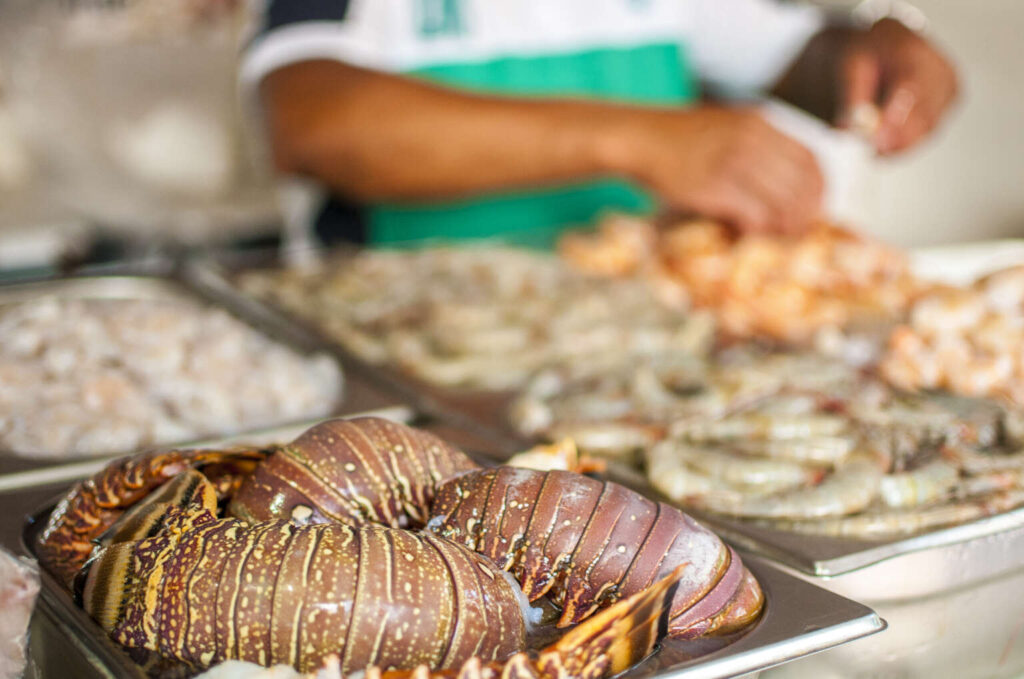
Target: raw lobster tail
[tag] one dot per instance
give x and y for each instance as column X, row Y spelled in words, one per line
column 93, row 505
column 278, row 593
column 608, row 643
column 351, row 471
column 587, row 543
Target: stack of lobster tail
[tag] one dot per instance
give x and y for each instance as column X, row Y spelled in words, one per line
column 310, row 565
column 586, row 543
column 366, row 469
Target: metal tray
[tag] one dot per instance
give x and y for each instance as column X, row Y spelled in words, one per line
column 800, row 619
column 472, row 410
column 358, row 395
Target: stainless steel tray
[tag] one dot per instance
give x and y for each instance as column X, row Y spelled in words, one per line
column 358, row 395
column 800, row 619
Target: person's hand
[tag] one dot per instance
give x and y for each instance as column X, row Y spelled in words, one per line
column 728, row 164
column 901, row 76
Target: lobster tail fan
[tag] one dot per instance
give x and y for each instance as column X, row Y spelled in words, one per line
column 614, row 639
column 187, row 491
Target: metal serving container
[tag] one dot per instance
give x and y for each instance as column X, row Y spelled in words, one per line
column 800, row 619
column 359, row 395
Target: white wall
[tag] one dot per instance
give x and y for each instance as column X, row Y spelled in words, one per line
column 968, row 182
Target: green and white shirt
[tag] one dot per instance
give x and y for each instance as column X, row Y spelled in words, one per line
column 641, row 51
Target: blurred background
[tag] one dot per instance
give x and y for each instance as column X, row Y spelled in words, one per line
column 125, row 118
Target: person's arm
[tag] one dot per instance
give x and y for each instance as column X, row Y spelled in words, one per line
column 887, row 67
column 375, row 136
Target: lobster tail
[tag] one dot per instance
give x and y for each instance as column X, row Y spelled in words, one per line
column 587, row 543
column 608, row 643
column 93, row 505
column 614, row 639
column 367, row 469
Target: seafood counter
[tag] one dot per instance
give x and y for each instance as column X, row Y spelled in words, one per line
column 808, row 413
column 409, row 556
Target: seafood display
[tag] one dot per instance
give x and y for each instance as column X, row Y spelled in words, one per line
column 404, row 554
column 101, row 376
column 967, row 341
column 757, row 286
column 484, row 318
column 799, row 441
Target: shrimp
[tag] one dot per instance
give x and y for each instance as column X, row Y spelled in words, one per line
column 850, row 489
column 560, row 455
column 608, row 438
column 758, row 426
column 974, row 462
column 927, row 483
column 988, row 482
column 825, row 450
column 741, row 470
column 948, row 310
column 677, row 481
column 876, row 525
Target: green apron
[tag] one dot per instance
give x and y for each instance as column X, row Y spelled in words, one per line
column 656, row 74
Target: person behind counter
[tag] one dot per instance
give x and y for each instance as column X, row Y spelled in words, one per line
column 516, row 118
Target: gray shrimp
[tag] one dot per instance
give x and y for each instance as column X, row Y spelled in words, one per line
column 852, row 488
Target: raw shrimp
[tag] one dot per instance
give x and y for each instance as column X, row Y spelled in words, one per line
column 825, row 450
column 927, row 483
column 742, row 470
column 607, row 438
column 850, row 489
column 758, row 426
column 881, row 524
column 974, row 462
column 677, row 481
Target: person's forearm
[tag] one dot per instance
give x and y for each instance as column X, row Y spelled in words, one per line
column 374, row 136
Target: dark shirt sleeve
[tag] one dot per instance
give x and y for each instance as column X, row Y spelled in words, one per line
column 285, row 12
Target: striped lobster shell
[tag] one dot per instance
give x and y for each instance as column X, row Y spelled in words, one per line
column 586, row 543
column 203, row 590
column 366, row 469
